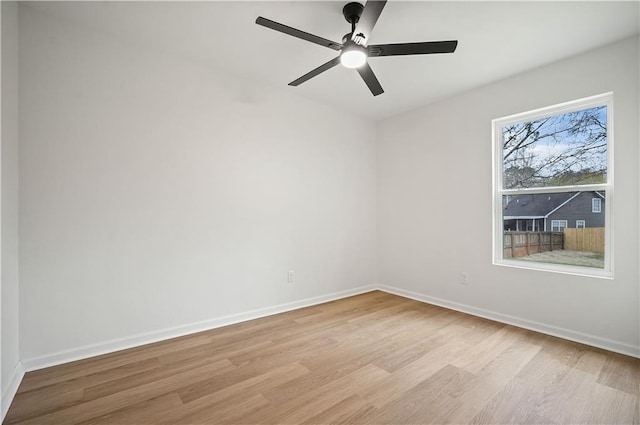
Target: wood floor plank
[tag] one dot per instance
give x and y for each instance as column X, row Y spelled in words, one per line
column 213, row 351
column 487, row 350
column 44, row 377
column 42, row 400
column 359, row 348
column 346, row 412
column 590, row 361
column 246, row 371
column 146, row 412
column 93, row 392
column 492, row 378
column 257, row 332
column 412, row 375
column 613, row 406
column 429, row 401
column 374, row 358
column 314, row 402
column 548, row 366
column 80, row 382
column 620, row 372
column 508, row 363
column 34, row 405
column 294, row 348
column 417, row 344
column 348, row 308
column 342, row 361
column 234, row 394
column 91, row 409
column 514, row 404
column 229, row 413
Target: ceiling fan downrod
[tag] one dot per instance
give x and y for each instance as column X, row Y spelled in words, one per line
column 352, row 12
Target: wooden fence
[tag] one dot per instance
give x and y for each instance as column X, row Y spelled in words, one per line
column 521, row 244
column 590, row 239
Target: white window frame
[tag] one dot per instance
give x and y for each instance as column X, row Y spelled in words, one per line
column 596, row 207
column 561, row 225
column 581, row 224
column 499, row 192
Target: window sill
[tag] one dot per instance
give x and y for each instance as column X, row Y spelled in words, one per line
column 556, row 268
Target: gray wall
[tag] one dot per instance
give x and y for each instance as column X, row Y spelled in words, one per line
column 10, row 372
column 428, row 157
column 158, row 194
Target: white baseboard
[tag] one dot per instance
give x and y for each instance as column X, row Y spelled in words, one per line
column 156, row 336
column 161, row 335
column 10, row 391
column 595, row 341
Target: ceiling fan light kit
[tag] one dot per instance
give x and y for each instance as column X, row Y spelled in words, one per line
column 353, row 55
column 355, row 49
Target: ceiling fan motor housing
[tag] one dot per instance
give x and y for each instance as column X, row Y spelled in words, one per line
column 352, row 12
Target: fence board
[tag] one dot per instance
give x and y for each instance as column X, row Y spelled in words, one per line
column 590, row 239
column 521, row 244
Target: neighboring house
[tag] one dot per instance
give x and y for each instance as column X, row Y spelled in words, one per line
column 553, row 211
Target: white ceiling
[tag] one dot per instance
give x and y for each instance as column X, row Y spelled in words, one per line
column 496, row 39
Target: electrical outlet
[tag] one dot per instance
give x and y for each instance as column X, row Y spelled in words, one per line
column 464, row 278
column 291, row 276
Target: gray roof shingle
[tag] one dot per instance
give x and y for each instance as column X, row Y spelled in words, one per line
column 538, row 205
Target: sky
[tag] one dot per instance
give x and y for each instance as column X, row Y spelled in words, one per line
column 547, row 149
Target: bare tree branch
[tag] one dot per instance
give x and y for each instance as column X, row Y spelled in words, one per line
column 561, row 149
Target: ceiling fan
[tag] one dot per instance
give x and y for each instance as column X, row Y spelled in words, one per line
column 355, row 49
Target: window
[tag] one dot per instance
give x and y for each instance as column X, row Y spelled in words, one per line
column 549, row 166
column 596, row 205
column 558, row 225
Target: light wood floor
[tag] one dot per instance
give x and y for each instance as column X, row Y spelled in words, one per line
column 374, row 358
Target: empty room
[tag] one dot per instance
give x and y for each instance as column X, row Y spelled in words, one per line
column 320, row 212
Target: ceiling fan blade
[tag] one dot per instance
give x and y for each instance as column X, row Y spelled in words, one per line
column 370, row 15
column 322, row 68
column 297, row 33
column 370, row 79
column 423, row 48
